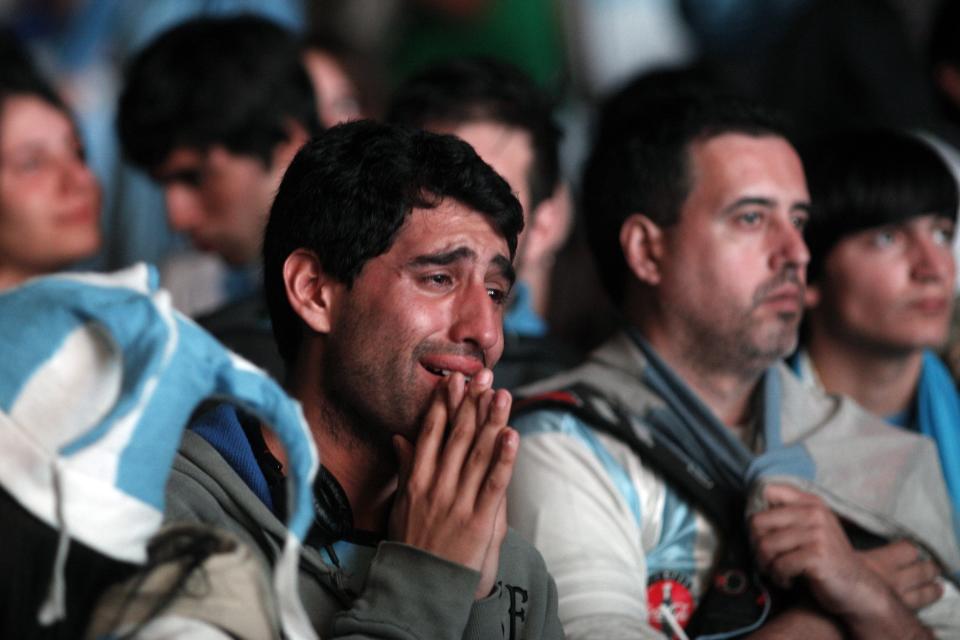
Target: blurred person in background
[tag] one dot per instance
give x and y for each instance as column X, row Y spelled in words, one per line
column 338, row 79
column 49, row 198
column 82, row 46
column 214, row 110
column 944, row 59
column 881, row 283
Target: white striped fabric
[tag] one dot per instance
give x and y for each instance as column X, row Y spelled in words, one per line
column 98, row 379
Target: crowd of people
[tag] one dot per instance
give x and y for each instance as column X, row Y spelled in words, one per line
column 372, row 430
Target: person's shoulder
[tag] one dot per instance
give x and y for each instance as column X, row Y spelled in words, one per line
column 197, row 461
column 236, row 599
column 203, row 487
column 550, row 405
column 814, row 415
column 537, row 420
column 199, row 483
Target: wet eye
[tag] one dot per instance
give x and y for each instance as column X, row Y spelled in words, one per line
column 499, row 296
column 439, row 280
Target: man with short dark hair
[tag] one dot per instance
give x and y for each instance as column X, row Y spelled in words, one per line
column 214, row 110
column 681, row 480
column 387, row 264
column 509, row 121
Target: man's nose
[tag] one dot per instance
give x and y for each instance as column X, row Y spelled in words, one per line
column 790, row 249
column 478, row 319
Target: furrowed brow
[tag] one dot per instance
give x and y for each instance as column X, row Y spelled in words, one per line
column 500, row 262
column 445, row 258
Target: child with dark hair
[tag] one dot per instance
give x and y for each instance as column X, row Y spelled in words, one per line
column 881, row 282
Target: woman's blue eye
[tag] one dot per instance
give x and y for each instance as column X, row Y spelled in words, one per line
column 943, row 236
column 883, row 239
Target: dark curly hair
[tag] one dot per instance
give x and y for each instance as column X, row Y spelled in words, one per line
column 348, row 192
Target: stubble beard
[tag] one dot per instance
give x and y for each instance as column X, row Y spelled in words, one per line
column 741, row 344
column 363, row 405
column 365, row 399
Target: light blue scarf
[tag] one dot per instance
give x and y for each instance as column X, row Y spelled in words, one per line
column 521, row 319
column 98, row 379
column 938, row 416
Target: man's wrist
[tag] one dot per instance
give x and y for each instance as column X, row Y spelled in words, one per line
column 883, row 616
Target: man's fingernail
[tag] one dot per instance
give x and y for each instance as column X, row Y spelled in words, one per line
column 484, row 378
column 510, row 438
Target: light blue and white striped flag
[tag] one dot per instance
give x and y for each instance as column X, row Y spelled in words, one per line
column 98, row 378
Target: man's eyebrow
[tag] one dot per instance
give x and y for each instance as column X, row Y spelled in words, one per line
column 501, row 262
column 444, row 258
column 768, row 203
column 506, row 268
column 755, row 201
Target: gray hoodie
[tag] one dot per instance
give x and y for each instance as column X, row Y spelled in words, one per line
column 406, row 593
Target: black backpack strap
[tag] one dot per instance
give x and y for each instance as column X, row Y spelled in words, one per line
column 606, row 416
column 736, row 599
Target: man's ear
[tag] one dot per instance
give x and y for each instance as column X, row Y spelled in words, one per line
column 641, row 240
column 550, row 224
column 811, row 296
column 310, row 291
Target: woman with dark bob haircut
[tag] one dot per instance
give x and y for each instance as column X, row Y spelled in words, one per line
column 881, row 282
